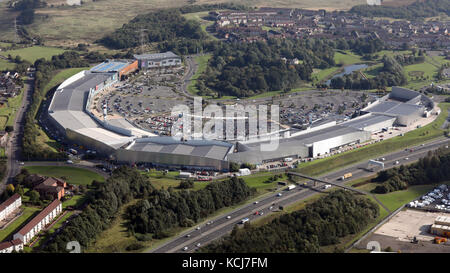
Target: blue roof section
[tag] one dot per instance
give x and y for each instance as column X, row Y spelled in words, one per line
column 112, row 66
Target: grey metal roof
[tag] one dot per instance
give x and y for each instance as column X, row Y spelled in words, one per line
column 366, row 121
column 157, row 56
column 309, row 138
column 382, row 107
column 405, row 109
column 171, row 145
column 73, row 97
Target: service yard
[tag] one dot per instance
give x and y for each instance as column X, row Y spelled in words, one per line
column 401, row 229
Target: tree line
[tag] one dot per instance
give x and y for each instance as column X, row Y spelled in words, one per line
column 165, row 209
column 27, row 10
column 433, row 168
column 418, row 9
column 104, row 202
column 319, row 224
column 163, row 25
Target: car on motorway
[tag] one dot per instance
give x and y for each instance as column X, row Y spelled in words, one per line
column 21, row 163
column 188, row 235
column 406, row 158
column 256, row 202
column 198, row 245
column 198, row 228
column 185, row 248
column 228, row 217
column 396, row 162
column 270, row 208
column 279, row 194
column 243, row 221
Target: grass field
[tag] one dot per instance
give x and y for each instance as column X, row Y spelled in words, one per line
column 202, row 63
column 411, row 138
column 33, row 53
column 260, row 182
column 426, row 71
column 5, row 65
column 346, row 57
column 72, row 175
column 8, row 111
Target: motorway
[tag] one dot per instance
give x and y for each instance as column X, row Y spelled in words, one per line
column 221, row 225
column 14, row 145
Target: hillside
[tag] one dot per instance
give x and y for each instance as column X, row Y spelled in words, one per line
column 69, row 25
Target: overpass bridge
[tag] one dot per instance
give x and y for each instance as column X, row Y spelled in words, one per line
column 340, row 186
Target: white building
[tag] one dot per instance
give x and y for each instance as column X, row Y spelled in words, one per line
column 10, row 246
column 39, row 222
column 10, row 205
column 165, row 59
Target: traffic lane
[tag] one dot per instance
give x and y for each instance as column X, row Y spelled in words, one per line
column 400, row 155
column 235, row 216
column 248, row 209
column 204, row 240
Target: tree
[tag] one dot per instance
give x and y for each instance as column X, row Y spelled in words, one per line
column 34, row 197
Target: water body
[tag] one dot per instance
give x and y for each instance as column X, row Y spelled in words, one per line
column 348, row 70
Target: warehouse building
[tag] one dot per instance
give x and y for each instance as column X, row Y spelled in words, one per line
column 406, row 105
column 177, row 152
column 371, row 122
column 122, row 68
column 309, row 144
column 39, row 222
column 157, row 60
column 441, row 226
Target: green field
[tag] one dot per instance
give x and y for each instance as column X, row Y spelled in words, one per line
column 8, row 111
column 72, row 175
column 28, row 214
column 202, row 63
column 33, row 53
column 259, row 181
column 427, row 72
column 6, row 65
column 346, row 57
column 411, row 138
column 74, row 201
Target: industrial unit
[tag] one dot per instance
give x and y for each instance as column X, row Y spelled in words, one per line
column 441, row 226
column 122, row 141
column 177, row 152
column 156, row 60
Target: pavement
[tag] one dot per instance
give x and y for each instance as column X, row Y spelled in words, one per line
column 14, row 145
column 221, row 225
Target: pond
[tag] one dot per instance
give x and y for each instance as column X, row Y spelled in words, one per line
column 348, row 70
